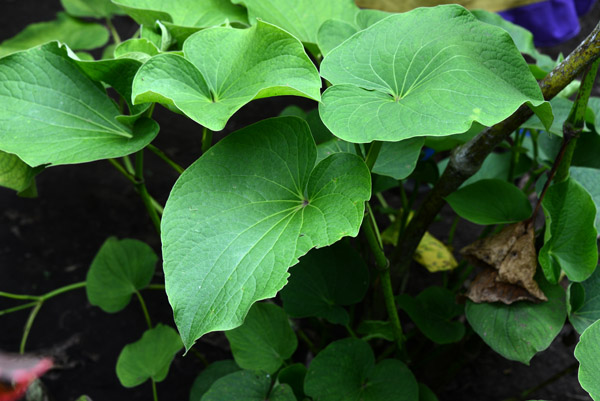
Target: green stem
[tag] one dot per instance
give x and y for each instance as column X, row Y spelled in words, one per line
column 155, row 287
column 372, row 154
column 207, row 136
column 28, row 325
column 154, row 392
column 122, row 170
column 350, row 331
column 370, row 231
column 309, row 343
column 19, row 296
column 113, row 31
column 62, row 290
column 165, row 158
column 128, row 165
column 452, row 231
column 18, row 308
column 144, row 309
column 143, row 191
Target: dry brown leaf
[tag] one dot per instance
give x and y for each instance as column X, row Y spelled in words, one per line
column 512, row 253
column 486, row 288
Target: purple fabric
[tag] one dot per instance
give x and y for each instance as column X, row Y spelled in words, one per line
column 550, row 21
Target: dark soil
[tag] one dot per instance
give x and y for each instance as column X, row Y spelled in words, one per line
column 49, row 242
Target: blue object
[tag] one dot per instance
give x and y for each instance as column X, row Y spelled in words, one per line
column 551, row 21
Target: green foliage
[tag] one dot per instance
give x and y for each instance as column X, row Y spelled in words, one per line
column 346, row 370
column 584, row 302
column 274, row 205
column 587, row 353
column 521, row 330
column 324, row 281
column 248, row 386
column 264, row 341
column 212, row 81
column 570, row 236
column 490, row 202
column 78, row 35
column 149, row 357
column 120, row 268
column 90, row 8
column 384, row 91
column 15, row 174
column 210, row 375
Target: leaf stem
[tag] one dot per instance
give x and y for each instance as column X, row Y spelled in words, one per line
column 19, row 296
column 18, row 308
column 143, row 191
column 207, row 136
column 154, row 392
column 165, row 158
column 155, row 287
column 307, row 340
column 28, row 325
column 113, row 31
column 372, row 154
column 144, row 309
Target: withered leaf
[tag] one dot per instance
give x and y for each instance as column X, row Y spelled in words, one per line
column 487, row 288
column 511, row 252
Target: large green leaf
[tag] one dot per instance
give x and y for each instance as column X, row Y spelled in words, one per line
column 211, row 374
column 323, row 281
column 584, row 302
column 301, row 18
column 248, row 386
column 15, row 174
column 79, row 35
column 570, row 236
column 587, row 353
column 120, row 268
column 186, row 13
column 522, row 329
column 52, row 113
column 90, row 8
column 149, row 357
column 589, row 178
column 522, row 37
column 561, row 108
column 264, row 341
column 433, row 311
column 427, row 72
column 213, row 81
column 243, row 213
column 346, row 370
column 490, row 202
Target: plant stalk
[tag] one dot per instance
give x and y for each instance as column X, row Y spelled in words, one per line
column 143, row 191
column 207, row 136
column 28, row 325
column 165, row 158
column 144, row 309
column 468, row 158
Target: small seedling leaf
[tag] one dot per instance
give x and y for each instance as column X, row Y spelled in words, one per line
column 264, row 341
column 149, row 357
column 325, row 280
column 120, row 268
column 346, row 370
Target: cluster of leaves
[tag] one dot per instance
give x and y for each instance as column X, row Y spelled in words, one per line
column 285, row 191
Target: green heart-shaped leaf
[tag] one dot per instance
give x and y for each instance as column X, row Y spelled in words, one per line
column 346, row 370
column 587, row 353
column 323, row 281
column 570, row 236
column 584, row 302
column 248, row 386
column 234, row 225
column 79, row 35
column 120, row 268
column 137, row 49
column 264, row 341
column 522, row 329
column 149, row 357
column 490, row 202
column 589, row 178
column 301, row 18
column 211, row 374
column 432, row 311
column 427, row 72
column 52, row 113
column 213, row 81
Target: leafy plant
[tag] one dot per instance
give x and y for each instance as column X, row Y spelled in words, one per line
column 274, row 210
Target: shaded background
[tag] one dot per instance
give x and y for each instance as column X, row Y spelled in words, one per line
column 49, row 242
